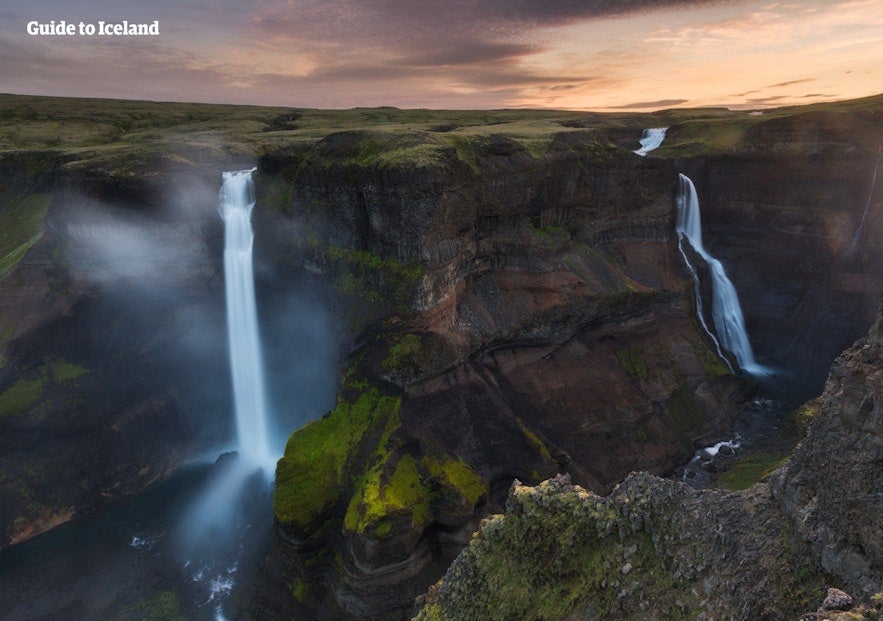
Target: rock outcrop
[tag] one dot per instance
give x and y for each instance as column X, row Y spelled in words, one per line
column 656, row 548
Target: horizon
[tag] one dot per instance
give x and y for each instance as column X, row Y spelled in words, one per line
column 599, row 56
column 403, row 109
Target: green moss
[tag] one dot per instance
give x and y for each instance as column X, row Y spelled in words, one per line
column 703, row 136
column 556, row 237
column 633, row 362
column 682, row 407
column 533, row 439
column 390, row 148
column 375, row 279
column 804, row 415
column 750, row 470
column 404, row 350
column 549, row 559
column 711, row 363
column 163, row 606
column 21, row 396
column 465, row 147
column 380, row 500
column 62, row 371
column 21, row 226
column 309, row 477
column 456, row 475
column 300, row 589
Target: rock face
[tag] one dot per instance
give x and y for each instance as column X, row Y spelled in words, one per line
column 804, row 184
column 553, row 326
column 509, row 300
column 833, row 484
column 96, row 392
column 655, row 548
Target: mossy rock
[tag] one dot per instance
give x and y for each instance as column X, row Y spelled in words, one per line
column 310, row 475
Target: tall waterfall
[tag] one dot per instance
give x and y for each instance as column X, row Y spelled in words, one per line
column 651, row 139
column 237, row 201
column 726, row 313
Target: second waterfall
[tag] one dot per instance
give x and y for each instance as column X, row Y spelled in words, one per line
column 729, row 323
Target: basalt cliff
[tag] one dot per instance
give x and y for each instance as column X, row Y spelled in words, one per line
column 505, row 290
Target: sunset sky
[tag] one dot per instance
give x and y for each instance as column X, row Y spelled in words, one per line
column 594, row 54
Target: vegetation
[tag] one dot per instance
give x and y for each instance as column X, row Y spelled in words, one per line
column 549, row 559
column 375, row 279
column 683, row 409
column 310, row 476
column 405, row 350
column 21, row 226
column 23, row 395
column 751, row 469
column 162, row 606
column 397, row 487
column 633, row 362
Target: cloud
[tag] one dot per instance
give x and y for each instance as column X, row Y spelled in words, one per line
column 647, row 105
column 781, row 84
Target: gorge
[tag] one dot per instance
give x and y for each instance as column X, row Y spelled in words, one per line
column 468, row 297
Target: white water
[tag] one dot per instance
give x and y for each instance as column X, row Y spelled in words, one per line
column 858, row 231
column 651, row 139
column 237, row 201
column 726, row 312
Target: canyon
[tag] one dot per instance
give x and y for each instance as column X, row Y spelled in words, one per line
column 504, row 291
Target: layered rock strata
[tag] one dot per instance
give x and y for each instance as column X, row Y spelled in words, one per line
column 659, row 549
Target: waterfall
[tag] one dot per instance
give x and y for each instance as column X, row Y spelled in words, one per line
column 237, row 201
column 651, row 139
column 726, row 313
column 861, row 224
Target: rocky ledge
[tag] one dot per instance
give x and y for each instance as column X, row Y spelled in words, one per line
column 656, row 548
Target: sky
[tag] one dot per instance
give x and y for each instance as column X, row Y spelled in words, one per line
column 569, row 54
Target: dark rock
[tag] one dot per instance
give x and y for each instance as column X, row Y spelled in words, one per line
column 836, row 600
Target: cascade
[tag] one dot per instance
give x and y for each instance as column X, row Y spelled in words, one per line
column 726, row 312
column 651, row 139
column 237, row 200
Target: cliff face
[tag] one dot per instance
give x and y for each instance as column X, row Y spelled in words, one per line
column 553, row 326
column 803, row 184
column 99, row 388
column 658, row 549
column 832, row 487
column 509, row 300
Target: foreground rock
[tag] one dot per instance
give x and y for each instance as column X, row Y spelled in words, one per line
column 656, row 548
